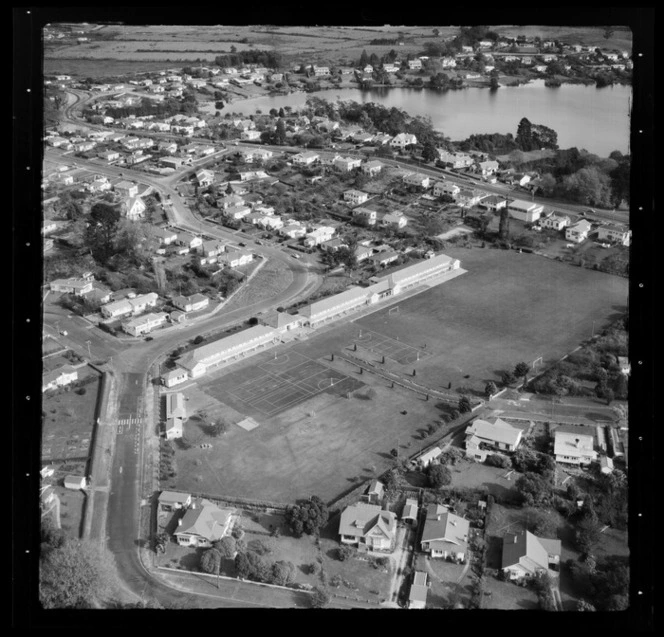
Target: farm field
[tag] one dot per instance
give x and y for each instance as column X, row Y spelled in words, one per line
column 508, row 307
column 310, row 438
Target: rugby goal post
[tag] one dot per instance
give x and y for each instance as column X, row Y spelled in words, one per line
column 393, row 310
column 537, row 363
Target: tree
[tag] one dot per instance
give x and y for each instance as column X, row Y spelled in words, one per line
column 320, row 598
column 504, row 224
column 283, row 572
column 226, row 547
column 490, row 389
column 100, row 232
column 534, row 490
column 78, row 574
column 429, row 152
column 308, row 516
column 498, row 460
column 521, row 370
column 589, row 186
column 210, row 561
column 219, row 427
column 438, row 475
column 587, row 533
column 541, row 523
column 345, row 552
column 609, row 395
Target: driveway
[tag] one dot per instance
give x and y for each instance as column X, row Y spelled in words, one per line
column 399, row 559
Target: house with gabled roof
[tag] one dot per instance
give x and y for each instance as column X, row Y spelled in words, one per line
column 375, row 492
column 402, row 140
column 191, row 303
column 282, row 321
column 493, row 433
column 410, row 511
column 444, row 534
column 428, row 457
column 174, row 377
column 175, row 406
column 555, row 221
column 59, row 377
column 204, row 177
column 202, row 524
column 417, row 598
column 525, row 555
column 134, row 208
column 306, row 158
column 367, row 526
column 574, row 448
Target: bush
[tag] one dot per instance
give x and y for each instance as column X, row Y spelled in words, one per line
column 81, row 391
column 498, row 460
column 438, row 475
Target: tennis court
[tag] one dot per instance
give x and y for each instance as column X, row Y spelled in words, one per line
column 285, row 381
column 394, row 349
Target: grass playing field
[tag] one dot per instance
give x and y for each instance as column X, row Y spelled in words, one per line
column 507, row 308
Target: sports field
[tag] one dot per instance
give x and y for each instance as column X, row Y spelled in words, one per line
column 508, row 307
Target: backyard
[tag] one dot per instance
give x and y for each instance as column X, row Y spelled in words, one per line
column 449, row 583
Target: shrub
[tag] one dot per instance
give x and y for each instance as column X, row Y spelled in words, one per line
column 498, row 460
column 81, row 391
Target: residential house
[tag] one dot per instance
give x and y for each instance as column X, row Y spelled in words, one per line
column 454, row 160
column 383, row 259
column 134, row 208
column 237, row 212
column 555, row 221
column 402, row 140
column 346, row 164
column 444, row 534
column 574, row 448
column 448, row 62
column 525, row 210
column 76, row 286
column 320, row 71
column 366, row 214
column 467, row 198
column 60, row 377
column 355, row 197
column 306, row 158
column 578, row 232
column 205, row 178
column 396, row 219
column 126, row 189
column 319, row 235
column 172, row 162
column 109, row 155
column 494, row 433
column 493, row 203
column 293, row 230
column 144, row 324
column 416, row 179
column 333, row 245
column 165, row 236
column 75, row 482
column 173, row 428
column 229, row 200
column 417, row 598
column 174, row 377
column 415, row 65
column 235, row 259
column 362, row 253
column 203, row 524
column 189, row 240
column 487, row 167
column 270, row 221
column 98, row 295
column 367, row 526
column 427, row 458
column 250, row 135
column 191, row 303
column 375, row 492
column 133, row 305
column 614, row 234
column 211, row 248
column 445, row 188
column 526, row 556
column 410, row 511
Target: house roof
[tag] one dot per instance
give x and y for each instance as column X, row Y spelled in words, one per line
column 174, row 373
column 446, row 528
column 583, row 226
column 528, row 550
column 573, row 444
column 496, row 431
column 525, row 206
column 208, row 521
column 49, row 377
column 410, row 509
column 173, row 497
column 173, row 423
column 376, row 487
column 359, row 519
column 280, row 319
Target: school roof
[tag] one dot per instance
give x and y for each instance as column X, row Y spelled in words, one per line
column 528, row 550
column 211, row 350
column 496, row 431
column 280, row 319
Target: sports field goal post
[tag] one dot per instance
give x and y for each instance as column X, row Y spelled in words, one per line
column 393, row 310
column 537, row 363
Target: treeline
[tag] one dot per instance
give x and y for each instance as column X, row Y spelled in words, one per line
column 491, row 143
column 148, row 107
column 270, row 59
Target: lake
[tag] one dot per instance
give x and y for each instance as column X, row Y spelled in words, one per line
column 596, row 119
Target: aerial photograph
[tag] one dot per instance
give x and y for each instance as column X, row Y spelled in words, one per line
column 335, row 317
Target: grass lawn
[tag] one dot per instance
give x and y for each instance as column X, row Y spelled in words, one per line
column 272, row 278
column 68, row 422
column 508, row 596
column 475, row 475
column 71, row 510
column 292, row 454
column 448, row 584
column 500, row 312
column 355, row 577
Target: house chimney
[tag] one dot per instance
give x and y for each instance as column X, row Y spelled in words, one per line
column 180, row 522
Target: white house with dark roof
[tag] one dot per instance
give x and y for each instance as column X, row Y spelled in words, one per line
column 367, row 525
column 493, row 433
column 526, row 556
column 444, row 534
column 202, row 524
